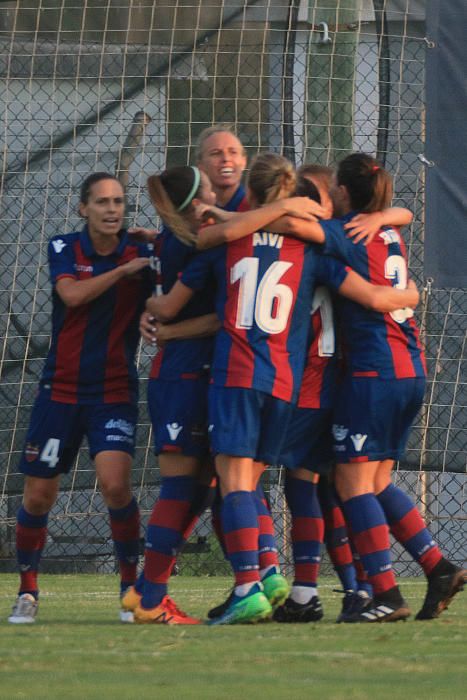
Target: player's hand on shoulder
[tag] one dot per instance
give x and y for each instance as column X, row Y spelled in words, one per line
column 209, row 214
column 304, row 208
column 364, row 227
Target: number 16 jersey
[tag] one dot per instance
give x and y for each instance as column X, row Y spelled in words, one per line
column 265, row 284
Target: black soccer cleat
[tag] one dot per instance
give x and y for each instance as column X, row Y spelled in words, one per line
column 219, row 610
column 386, row 607
column 442, row 587
column 353, row 605
column 291, row 611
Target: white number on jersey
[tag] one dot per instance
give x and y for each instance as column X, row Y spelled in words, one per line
column 327, row 339
column 395, row 269
column 256, row 302
column 50, row 452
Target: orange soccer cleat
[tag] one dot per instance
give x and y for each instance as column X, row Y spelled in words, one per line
column 166, row 613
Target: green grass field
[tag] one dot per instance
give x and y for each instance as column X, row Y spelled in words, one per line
column 78, row 649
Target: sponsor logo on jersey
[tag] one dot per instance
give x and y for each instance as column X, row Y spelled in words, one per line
column 31, row 452
column 210, row 428
column 174, row 430
column 275, row 240
column 390, row 236
column 339, row 431
column 58, row 245
column 358, row 441
column 24, row 567
column 120, row 424
column 84, row 268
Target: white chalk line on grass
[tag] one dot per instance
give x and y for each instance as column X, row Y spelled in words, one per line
column 180, row 591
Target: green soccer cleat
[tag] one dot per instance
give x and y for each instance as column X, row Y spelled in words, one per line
column 247, row 609
column 276, row 589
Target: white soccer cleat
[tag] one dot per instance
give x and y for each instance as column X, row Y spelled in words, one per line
column 127, row 616
column 24, row 610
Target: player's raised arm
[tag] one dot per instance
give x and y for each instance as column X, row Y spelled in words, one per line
column 366, row 226
column 242, row 224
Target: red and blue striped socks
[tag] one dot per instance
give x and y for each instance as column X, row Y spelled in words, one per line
column 31, row 535
column 171, row 521
column 125, row 527
column 307, row 530
column 409, row 528
column 370, row 534
column 240, row 527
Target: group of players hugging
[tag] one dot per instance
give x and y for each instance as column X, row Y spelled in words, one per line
column 283, row 317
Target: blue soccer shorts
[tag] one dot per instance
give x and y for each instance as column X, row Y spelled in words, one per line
column 179, row 415
column 372, row 417
column 247, row 423
column 56, row 431
column 308, row 442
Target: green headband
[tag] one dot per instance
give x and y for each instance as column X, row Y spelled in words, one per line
column 194, row 189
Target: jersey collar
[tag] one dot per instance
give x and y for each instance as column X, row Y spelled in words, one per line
column 233, row 203
column 88, row 248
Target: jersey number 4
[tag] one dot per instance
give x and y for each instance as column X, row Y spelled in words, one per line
column 264, row 301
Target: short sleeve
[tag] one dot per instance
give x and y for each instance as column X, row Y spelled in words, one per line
column 198, row 273
column 336, row 242
column 331, row 272
column 61, row 259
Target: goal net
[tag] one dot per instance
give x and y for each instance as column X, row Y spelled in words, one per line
column 126, row 86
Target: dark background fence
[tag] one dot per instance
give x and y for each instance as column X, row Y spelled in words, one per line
column 127, row 86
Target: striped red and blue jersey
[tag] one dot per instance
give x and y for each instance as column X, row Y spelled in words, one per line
column 185, row 358
column 265, row 284
column 376, row 344
column 181, row 359
column 322, row 364
column 91, row 358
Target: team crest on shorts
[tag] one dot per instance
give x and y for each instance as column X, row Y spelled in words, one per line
column 31, row 452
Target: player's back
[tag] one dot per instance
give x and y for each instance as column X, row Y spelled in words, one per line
column 180, row 357
column 265, row 284
column 376, row 344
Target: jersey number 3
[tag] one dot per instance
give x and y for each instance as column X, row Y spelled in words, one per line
column 264, row 301
column 395, row 269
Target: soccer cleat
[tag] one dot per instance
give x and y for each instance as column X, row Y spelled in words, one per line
column 24, row 610
column 166, row 613
column 441, row 590
column 276, row 589
column 130, row 599
column 353, row 605
column 386, row 607
column 384, row 612
column 250, row 608
column 291, row 611
column 220, row 609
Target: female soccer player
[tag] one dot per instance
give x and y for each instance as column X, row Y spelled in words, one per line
column 380, row 395
column 89, row 382
column 308, row 452
column 264, row 289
